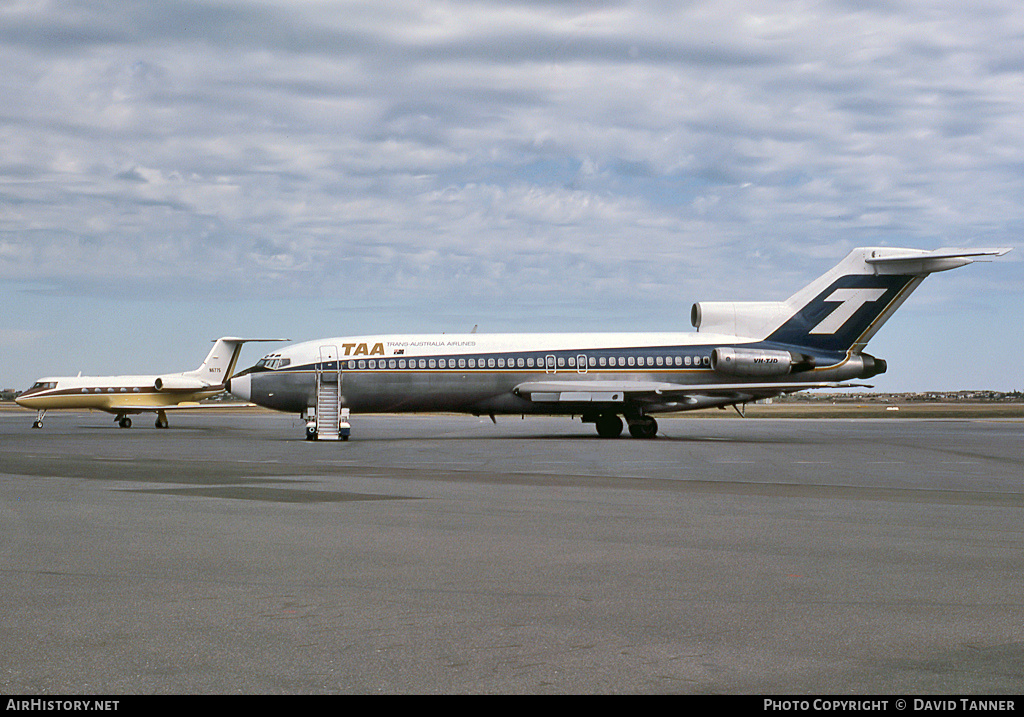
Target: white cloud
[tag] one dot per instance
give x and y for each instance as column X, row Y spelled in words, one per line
column 283, row 148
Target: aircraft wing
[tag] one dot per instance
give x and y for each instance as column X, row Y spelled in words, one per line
column 183, row 406
column 604, row 391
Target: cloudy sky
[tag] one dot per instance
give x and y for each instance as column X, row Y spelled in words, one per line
column 171, row 172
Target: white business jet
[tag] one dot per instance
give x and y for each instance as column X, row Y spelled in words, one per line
column 128, row 395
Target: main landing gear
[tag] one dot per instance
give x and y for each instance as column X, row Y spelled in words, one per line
column 161, row 420
column 609, row 425
column 643, row 427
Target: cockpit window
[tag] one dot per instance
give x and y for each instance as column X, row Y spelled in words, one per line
column 42, row 385
column 273, row 362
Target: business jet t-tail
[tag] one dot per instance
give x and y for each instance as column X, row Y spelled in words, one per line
column 741, row 352
column 129, row 395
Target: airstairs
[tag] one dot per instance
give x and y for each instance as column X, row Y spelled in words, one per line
column 330, row 420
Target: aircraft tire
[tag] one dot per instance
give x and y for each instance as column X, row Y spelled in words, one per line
column 310, row 434
column 609, row 426
column 125, row 422
column 647, row 428
column 37, row 424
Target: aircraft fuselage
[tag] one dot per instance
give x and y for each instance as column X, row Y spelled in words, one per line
column 479, row 373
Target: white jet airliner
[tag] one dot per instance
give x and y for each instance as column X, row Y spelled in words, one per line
column 127, row 395
column 741, row 352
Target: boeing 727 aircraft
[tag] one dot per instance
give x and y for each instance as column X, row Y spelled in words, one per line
column 125, row 395
column 741, row 352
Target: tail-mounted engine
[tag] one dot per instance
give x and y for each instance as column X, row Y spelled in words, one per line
column 759, row 362
column 179, row 383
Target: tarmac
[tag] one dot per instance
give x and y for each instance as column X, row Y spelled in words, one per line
column 453, row 555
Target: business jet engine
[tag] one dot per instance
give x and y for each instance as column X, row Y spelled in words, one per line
column 179, row 383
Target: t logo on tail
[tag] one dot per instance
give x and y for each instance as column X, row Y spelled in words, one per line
column 852, row 299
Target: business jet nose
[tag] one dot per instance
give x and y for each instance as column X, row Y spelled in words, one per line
column 240, row 386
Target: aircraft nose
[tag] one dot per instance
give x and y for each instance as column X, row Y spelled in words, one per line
column 240, row 386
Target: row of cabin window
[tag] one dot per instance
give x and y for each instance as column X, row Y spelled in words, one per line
column 111, row 390
column 562, row 362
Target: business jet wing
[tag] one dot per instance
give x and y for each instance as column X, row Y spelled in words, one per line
column 652, row 392
column 135, row 408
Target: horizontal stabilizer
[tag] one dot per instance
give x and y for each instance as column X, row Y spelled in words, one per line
column 918, row 261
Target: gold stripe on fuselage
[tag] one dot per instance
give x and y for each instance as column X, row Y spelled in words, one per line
column 112, row 402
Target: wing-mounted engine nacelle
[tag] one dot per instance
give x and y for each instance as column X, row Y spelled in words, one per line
column 759, row 362
column 179, row 383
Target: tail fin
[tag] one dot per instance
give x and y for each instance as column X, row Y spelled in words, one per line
column 220, row 363
column 841, row 310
